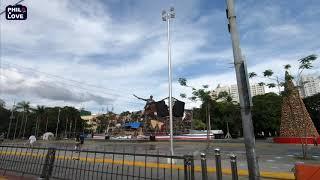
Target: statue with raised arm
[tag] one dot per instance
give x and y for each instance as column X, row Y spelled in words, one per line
column 148, row 101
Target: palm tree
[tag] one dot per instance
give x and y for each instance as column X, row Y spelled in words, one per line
column 25, row 106
column 39, row 111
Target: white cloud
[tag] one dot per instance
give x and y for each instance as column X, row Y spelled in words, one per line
column 285, row 30
column 65, row 39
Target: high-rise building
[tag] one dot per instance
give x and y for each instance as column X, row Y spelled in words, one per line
column 310, row 85
column 255, row 89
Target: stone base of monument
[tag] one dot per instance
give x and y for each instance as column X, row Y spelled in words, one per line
column 296, row 140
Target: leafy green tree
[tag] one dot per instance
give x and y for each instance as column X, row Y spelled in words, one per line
column 84, row 112
column 39, row 113
column 25, row 107
column 125, row 113
column 41, row 119
column 199, row 124
column 222, row 112
column 266, row 112
column 202, row 94
column 312, row 104
column 4, row 119
column 102, row 123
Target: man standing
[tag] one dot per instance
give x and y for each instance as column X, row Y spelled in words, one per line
column 81, row 139
column 77, row 147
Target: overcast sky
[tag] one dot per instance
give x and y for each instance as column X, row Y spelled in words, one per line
column 96, row 54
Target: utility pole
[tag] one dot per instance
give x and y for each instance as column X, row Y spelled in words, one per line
column 58, row 124
column 167, row 16
column 244, row 94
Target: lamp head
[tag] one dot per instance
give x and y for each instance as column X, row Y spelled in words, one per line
column 164, row 15
column 172, row 13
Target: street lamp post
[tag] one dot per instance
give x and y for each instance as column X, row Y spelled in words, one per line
column 167, row 16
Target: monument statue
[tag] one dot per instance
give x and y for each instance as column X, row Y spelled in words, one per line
column 148, row 101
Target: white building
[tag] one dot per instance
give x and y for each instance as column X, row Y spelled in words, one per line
column 255, row 89
column 220, row 89
column 310, row 85
column 234, row 92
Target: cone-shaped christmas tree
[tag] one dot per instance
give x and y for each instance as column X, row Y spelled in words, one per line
column 295, row 119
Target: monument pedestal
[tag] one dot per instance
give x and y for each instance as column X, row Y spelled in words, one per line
column 295, row 140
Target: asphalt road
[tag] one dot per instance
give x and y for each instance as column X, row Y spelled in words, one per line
column 271, row 156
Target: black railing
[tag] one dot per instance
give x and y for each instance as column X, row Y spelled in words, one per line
column 58, row 163
column 73, row 164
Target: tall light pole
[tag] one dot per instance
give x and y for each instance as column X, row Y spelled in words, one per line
column 244, row 94
column 167, row 16
column 58, row 123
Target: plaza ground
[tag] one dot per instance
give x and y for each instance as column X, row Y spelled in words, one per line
column 276, row 158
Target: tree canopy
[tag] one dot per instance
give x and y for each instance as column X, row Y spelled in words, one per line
column 38, row 120
column 266, row 112
column 312, row 104
column 278, row 81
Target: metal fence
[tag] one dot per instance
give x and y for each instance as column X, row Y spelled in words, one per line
column 55, row 163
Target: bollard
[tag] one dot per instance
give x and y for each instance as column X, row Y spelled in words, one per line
column 234, row 170
column 204, row 166
column 218, row 164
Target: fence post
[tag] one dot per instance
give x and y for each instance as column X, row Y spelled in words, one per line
column 192, row 167
column 234, row 170
column 186, row 164
column 218, row 164
column 188, row 167
column 48, row 164
column 204, row 166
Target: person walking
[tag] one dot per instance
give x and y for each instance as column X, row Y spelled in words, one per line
column 81, row 139
column 77, row 147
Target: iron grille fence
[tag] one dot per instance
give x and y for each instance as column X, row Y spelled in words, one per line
column 59, row 163
column 55, row 163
